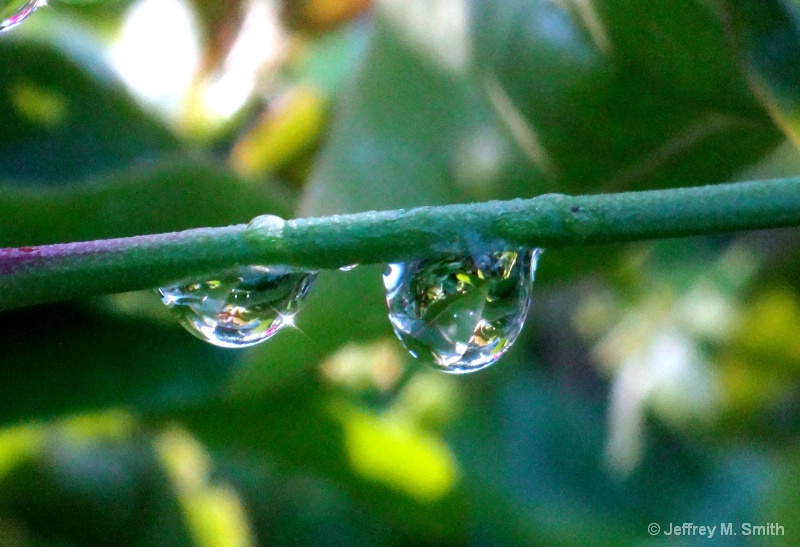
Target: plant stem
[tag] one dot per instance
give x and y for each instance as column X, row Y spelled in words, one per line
column 30, row 275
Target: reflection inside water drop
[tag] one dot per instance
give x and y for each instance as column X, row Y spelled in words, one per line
column 14, row 13
column 239, row 307
column 462, row 313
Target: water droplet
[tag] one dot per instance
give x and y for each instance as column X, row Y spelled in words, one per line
column 265, row 229
column 239, row 307
column 348, row 268
column 13, row 13
column 269, row 223
column 462, row 313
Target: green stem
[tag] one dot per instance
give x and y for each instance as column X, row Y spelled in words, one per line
column 30, row 275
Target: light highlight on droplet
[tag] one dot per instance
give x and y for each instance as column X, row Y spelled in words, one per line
column 239, row 307
column 461, row 313
column 12, row 13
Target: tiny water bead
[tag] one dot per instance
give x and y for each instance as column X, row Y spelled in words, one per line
column 12, row 13
column 462, row 313
column 271, row 225
column 239, row 307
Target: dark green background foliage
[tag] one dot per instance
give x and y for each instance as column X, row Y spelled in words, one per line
column 653, row 383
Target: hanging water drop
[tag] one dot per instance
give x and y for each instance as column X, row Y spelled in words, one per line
column 462, row 313
column 239, row 307
column 12, row 13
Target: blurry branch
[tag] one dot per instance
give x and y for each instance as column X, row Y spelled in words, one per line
column 30, row 275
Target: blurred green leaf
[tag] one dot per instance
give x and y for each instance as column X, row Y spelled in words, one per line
column 173, row 194
column 768, row 35
column 533, row 452
column 297, row 429
column 117, row 488
column 133, row 363
column 66, row 117
column 409, row 133
column 782, row 507
column 621, row 94
column 300, row 509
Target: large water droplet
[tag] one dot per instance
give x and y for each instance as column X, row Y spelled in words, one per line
column 12, row 13
column 462, row 313
column 239, row 307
